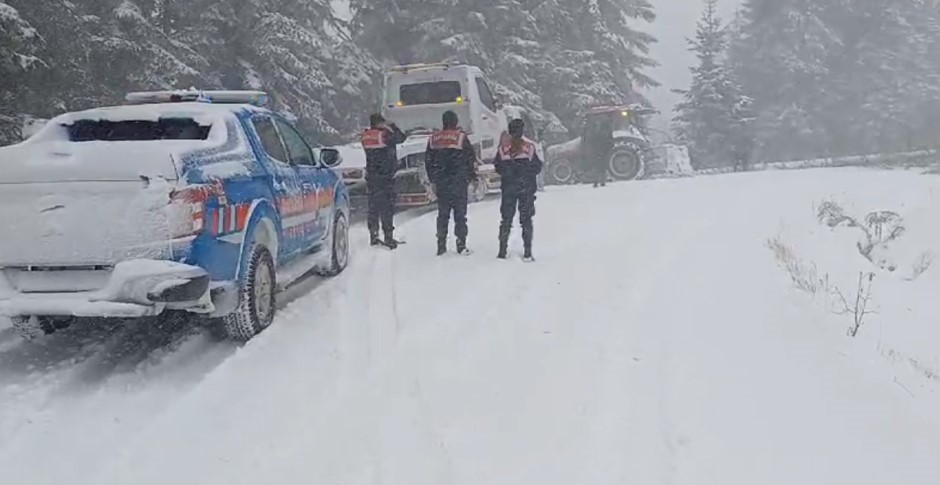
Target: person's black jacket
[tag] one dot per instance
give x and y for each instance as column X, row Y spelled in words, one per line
column 519, row 167
column 450, row 159
column 598, row 142
column 381, row 147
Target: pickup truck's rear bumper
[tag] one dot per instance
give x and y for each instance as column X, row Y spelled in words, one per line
column 132, row 289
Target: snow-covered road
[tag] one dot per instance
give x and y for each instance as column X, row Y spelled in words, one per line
column 655, row 342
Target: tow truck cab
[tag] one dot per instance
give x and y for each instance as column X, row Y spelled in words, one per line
column 416, row 97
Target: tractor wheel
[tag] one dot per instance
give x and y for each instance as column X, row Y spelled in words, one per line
column 562, row 172
column 626, row 163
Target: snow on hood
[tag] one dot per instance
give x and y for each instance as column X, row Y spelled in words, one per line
column 414, row 145
column 631, row 133
column 566, row 148
column 355, row 157
column 202, row 113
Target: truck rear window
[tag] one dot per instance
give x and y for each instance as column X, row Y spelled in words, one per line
column 137, row 130
column 430, row 93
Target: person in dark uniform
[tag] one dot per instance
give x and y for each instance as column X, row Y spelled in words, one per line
column 380, row 143
column 518, row 164
column 451, row 165
column 598, row 144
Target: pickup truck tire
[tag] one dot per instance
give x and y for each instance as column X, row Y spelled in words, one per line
column 339, row 250
column 256, row 305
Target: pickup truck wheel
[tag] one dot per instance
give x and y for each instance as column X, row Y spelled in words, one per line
column 339, row 257
column 256, row 305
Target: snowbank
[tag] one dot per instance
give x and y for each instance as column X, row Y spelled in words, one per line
column 917, row 158
column 900, row 323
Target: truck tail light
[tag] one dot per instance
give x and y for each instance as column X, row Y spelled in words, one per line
column 188, row 214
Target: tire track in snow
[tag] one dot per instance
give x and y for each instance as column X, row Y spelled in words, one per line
column 628, row 450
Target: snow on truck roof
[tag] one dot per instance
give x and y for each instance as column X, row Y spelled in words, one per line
column 152, row 112
column 409, row 68
column 217, row 116
column 204, row 107
column 625, row 108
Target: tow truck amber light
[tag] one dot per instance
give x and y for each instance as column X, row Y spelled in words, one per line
column 400, row 104
column 459, row 99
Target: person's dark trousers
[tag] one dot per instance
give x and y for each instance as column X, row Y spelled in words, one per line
column 454, row 201
column 600, row 172
column 381, row 207
column 524, row 200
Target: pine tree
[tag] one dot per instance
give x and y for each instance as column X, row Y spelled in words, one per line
column 21, row 46
column 86, row 53
column 319, row 78
column 783, row 58
column 593, row 55
column 134, row 53
column 840, row 77
column 57, row 43
column 712, row 119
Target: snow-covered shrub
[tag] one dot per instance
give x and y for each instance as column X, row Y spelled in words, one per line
column 805, row 276
column 879, row 229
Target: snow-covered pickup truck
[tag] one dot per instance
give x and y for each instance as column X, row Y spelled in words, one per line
column 202, row 203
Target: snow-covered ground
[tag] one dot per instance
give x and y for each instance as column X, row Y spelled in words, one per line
column 656, row 341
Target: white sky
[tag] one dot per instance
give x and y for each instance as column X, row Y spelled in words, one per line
column 674, row 23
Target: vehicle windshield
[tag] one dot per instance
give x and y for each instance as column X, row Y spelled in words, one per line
column 137, row 130
column 430, row 93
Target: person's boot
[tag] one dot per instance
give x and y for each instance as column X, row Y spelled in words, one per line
column 503, row 242
column 462, row 247
column 503, row 249
column 527, row 242
column 390, row 241
column 374, row 239
column 441, row 246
